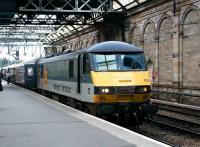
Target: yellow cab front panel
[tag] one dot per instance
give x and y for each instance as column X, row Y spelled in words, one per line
column 116, row 80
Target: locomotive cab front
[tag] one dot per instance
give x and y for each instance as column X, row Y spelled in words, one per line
column 121, row 81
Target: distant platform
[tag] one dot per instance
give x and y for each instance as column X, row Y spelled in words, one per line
column 28, row 119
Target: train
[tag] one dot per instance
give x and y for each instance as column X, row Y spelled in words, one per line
column 107, row 79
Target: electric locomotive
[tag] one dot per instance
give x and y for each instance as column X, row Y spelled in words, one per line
column 109, row 78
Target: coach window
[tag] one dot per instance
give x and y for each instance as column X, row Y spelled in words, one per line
column 30, row 71
column 86, row 64
column 38, row 69
column 71, row 69
column 41, row 70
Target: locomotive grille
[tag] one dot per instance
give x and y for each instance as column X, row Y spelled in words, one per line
column 125, row 90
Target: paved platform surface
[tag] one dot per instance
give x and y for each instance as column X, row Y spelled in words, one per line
column 30, row 120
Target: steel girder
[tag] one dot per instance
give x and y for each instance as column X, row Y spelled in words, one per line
column 22, row 45
column 23, row 33
column 19, row 39
column 53, row 13
column 61, row 12
column 31, row 14
column 56, row 19
column 64, row 6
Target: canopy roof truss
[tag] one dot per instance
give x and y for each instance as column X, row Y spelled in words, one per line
column 50, row 20
column 65, row 6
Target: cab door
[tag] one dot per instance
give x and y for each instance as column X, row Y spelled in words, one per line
column 79, row 74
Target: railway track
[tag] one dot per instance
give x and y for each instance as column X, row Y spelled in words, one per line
column 179, row 119
column 176, row 124
column 142, row 132
column 176, row 119
column 176, row 107
column 170, row 131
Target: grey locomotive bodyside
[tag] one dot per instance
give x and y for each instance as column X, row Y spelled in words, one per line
column 60, row 75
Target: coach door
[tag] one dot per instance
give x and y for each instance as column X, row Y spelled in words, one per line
column 79, row 74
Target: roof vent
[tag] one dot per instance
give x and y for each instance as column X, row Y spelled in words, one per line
column 67, row 51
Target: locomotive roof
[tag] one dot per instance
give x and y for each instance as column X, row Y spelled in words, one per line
column 58, row 58
column 104, row 47
column 31, row 61
column 113, row 46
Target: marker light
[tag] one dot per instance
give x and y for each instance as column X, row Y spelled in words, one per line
column 145, row 89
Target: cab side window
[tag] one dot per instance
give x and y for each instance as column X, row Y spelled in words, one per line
column 86, row 64
column 71, row 69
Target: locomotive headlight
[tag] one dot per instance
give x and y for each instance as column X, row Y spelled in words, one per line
column 104, row 90
column 107, row 90
column 142, row 89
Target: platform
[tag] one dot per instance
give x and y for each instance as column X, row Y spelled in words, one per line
column 28, row 119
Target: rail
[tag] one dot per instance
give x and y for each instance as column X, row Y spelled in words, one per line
column 180, row 125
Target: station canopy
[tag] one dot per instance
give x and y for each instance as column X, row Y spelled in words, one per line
column 33, row 22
